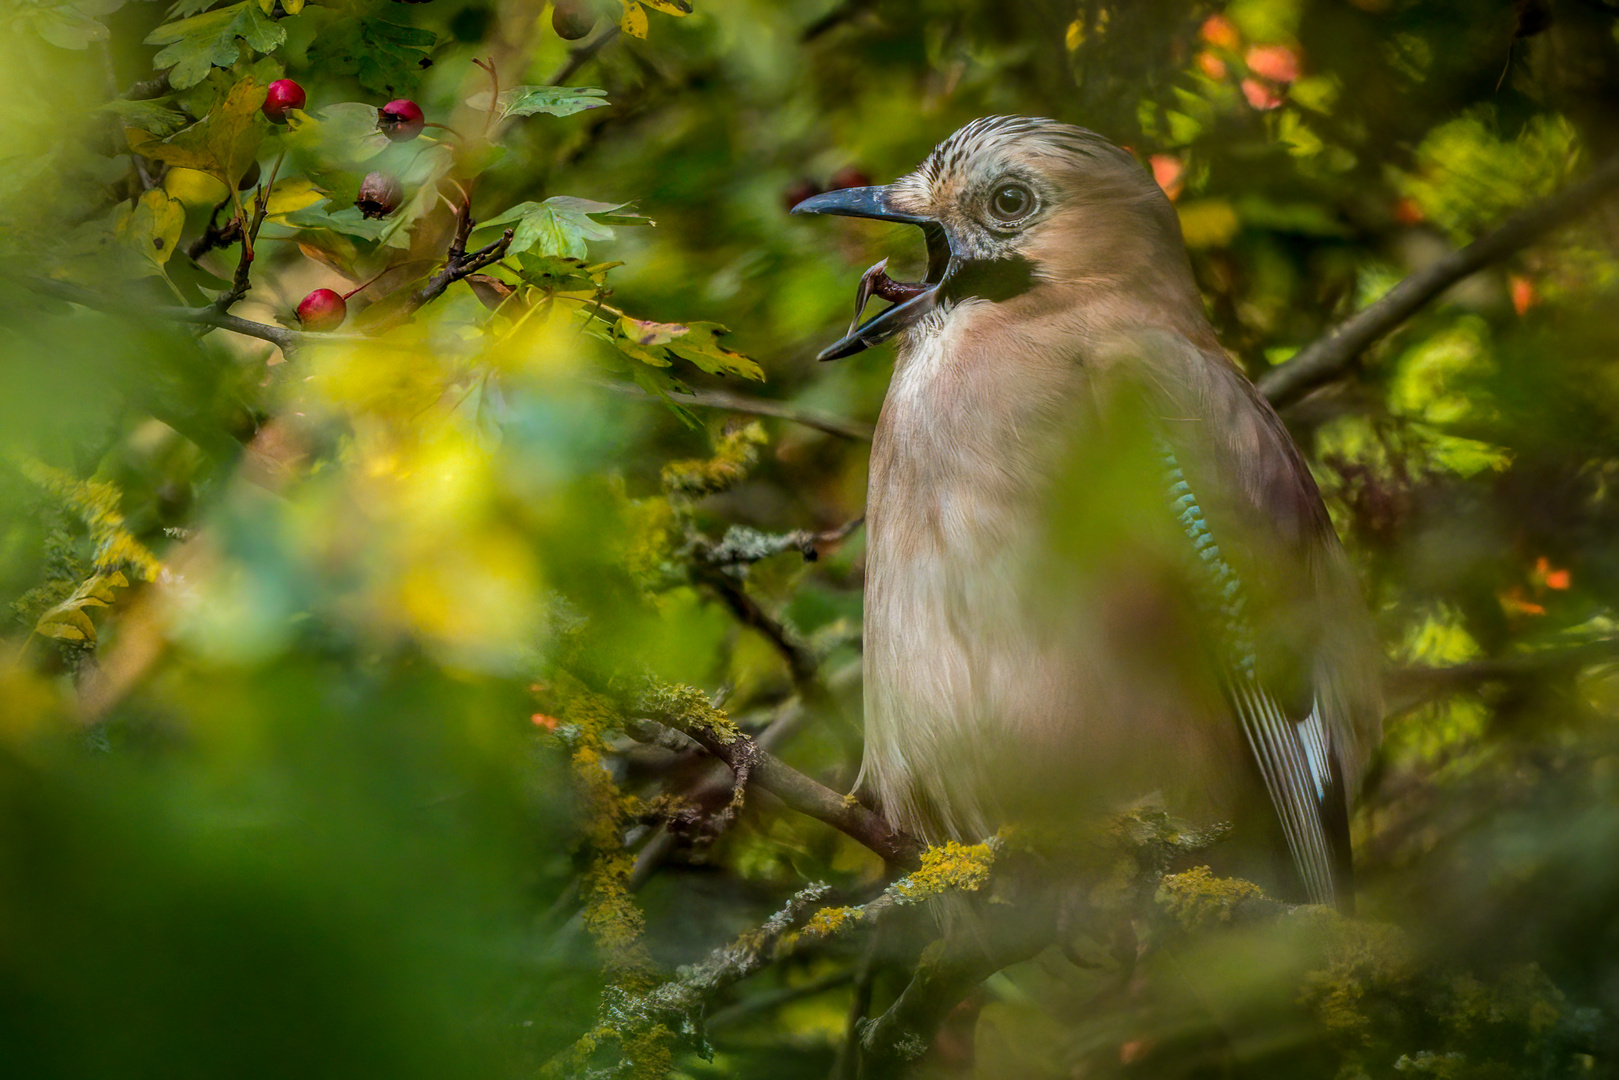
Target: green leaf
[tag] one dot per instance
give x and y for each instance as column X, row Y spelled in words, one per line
column 655, row 343
column 67, row 620
column 202, row 42
column 558, row 226
column 557, row 274
column 69, row 27
column 701, row 347
column 150, row 116
column 646, row 332
column 346, row 221
column 552, row 100
column 223, row 144
column 184, row 9
column 390, row 54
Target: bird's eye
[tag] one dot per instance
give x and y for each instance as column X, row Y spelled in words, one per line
column 1011, row 202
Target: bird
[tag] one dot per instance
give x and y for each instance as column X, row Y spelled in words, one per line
column 1099, row 573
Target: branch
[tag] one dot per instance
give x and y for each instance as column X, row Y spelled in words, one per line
column 677, row 1005
column 945, row 977
column 213, row 235
column 579, row 55
column 743, row 545
column 800, row 661
column 208, row 316
column 716, row 782
column 459, row 263
column 719, row 399
column 1337, row 349
column 1414, row 686
column 792, row 787
column 205, row 316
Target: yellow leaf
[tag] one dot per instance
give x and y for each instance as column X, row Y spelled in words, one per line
column 290, row 195
column 67, row 620
column 154, row 227
column 292, row 7
column 194, row 188
column 267, row 6
column 669, row 7
column 222, row 144
column 634, row 21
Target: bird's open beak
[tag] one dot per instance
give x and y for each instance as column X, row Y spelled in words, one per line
column 910, row 300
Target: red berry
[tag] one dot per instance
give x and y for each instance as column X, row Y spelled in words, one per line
column 572, row 19
column 379, row 195
column 798, row 191
column 848, row 177
column 323, row 309
column 401, row 120
column 283, row 94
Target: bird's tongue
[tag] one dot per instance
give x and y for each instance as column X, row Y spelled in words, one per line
column 875, row 282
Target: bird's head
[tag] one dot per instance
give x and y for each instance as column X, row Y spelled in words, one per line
column 1007, row 204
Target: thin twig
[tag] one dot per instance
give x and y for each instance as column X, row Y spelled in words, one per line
column 743, row 545
column 740, row 403
column 792, row 787
column 1330, row 354
column 800, row 660
column 579, row 55
column 214, row 235
column 460, row 263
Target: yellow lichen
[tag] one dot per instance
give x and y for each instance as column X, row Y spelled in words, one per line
column 735, row 452
column 1196, row 898
column 1362, row 960
column 829, row 920
column 96, row 504
column 610, row 913
column 946, row 867
column 688, row 708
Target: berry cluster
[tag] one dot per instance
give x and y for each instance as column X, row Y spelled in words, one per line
column 380, row 194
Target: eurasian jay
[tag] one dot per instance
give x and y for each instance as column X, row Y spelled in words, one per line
column 1098, row 570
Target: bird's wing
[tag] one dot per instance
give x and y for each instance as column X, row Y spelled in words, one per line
column 1293, row 638
column 1294, row 749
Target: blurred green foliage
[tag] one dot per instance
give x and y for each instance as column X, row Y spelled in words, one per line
column 316, row 667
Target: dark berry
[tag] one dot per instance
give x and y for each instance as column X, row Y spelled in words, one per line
column 848, row 177
column 379, row 195
column 323, row 309
column 283, row 94
column 249, row 178
column 798, row 191
column 401, row 120
column 573, row 19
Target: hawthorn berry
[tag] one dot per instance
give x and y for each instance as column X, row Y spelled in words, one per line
column 379, row 195
column 249, row 178
column 323, row 309
column 401, row 120
column 283, row 94
column 573, row 19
